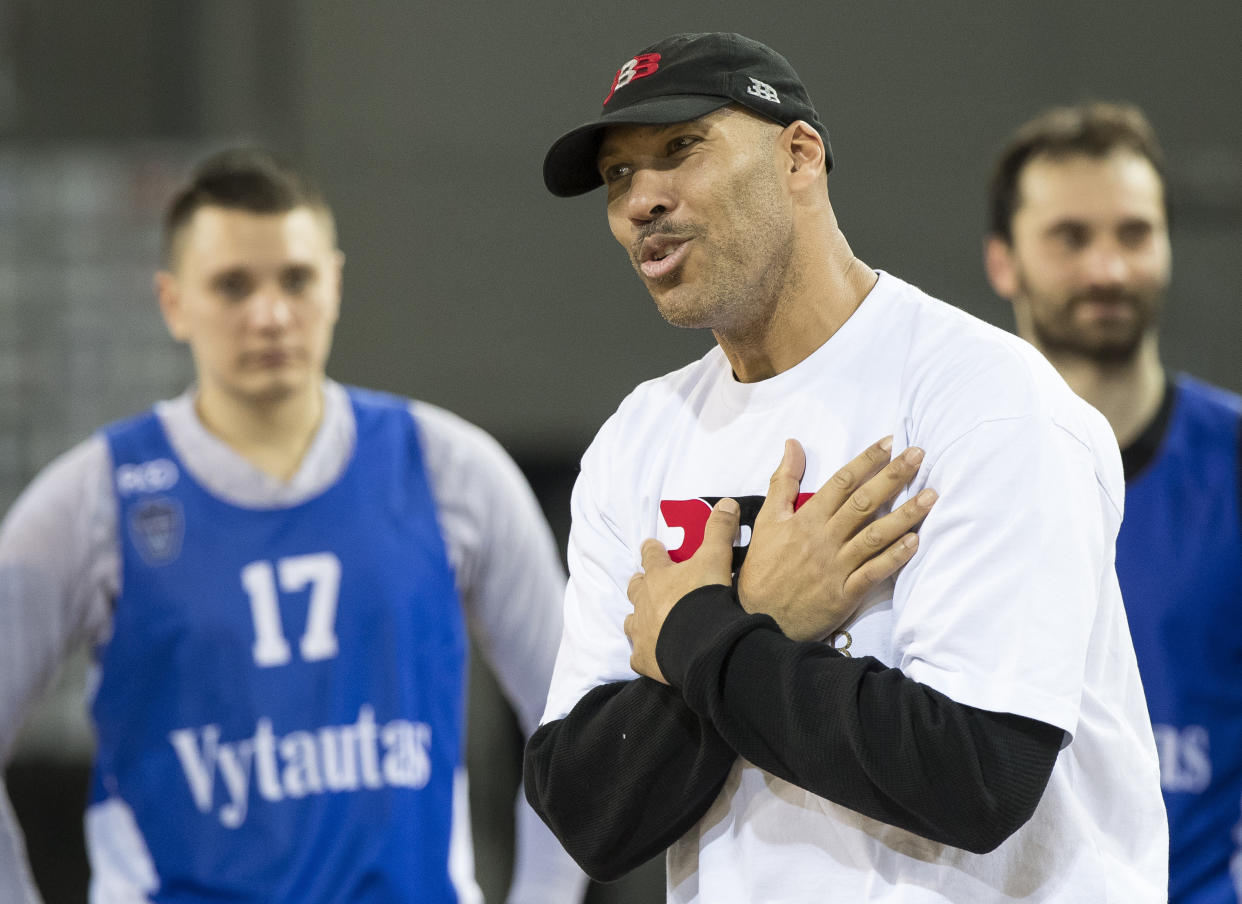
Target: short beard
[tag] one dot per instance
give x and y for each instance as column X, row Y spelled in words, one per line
column 1061, row 339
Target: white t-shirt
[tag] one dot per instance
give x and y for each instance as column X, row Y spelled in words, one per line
column 1010, row 605
column 60, row 570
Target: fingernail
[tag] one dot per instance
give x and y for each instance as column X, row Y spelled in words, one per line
column 887, row 444
column 927, row 497
column 910, row 542
column 914, row 455
column 728, row 506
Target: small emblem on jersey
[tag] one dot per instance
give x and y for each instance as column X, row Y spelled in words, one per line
column 762, row 90
column 156, row 527
column 154, row 476
column 641, row 66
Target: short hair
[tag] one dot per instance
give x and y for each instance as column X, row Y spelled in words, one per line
column 243, row 178
column 1095, row 129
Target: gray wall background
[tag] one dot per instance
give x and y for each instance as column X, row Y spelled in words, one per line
column 467, row 285
column 430, row 126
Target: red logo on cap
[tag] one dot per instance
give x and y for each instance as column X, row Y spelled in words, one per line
column 640, row 67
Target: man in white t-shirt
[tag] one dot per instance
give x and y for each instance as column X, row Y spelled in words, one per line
column 795, row 695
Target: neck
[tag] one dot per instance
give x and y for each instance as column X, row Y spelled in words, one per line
column 273, row 435
column 827, row 286
column 1128, row 393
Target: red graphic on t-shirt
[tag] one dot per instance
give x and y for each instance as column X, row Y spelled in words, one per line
column 691, row 516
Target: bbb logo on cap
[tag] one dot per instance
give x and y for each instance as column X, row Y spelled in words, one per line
column 641, row 66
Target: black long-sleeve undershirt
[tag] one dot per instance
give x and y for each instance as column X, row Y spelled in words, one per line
column 635, row 764
column 625, row 774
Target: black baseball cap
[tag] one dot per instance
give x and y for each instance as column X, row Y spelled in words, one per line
column 677, row 79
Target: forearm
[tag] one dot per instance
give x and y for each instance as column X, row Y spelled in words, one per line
column 624, row 774
column 854, row 732
column 16, row 884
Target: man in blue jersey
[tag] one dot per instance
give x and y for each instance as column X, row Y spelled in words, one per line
column 1079, row 243
column 275, row 573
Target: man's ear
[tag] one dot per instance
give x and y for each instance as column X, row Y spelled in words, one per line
column 168, row 294
column 337, row 277
column 1001, row 268
column 807, row 157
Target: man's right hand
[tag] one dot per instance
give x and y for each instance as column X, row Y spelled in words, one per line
column 810, row 569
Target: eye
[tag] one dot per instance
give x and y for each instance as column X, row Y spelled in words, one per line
column 233, row 285
column 1071, row 236
column 297, row 280
column 1134, row 233
column 681, row 142
column 615, row 171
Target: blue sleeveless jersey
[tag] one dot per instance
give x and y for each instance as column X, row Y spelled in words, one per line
column 1179, row 560
column 282, row 699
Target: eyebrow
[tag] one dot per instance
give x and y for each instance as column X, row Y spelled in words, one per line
column 657, row 129
column 1063, row 223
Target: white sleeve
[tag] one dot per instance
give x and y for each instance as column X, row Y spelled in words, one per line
column 511, row 583
column 59, row 569
column 594, row 649
column 1014, row 561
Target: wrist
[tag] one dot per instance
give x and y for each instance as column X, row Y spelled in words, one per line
column 693, row 624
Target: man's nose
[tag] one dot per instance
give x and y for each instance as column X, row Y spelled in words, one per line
column 271, row 309
column 651, row 195
column 1107, row 265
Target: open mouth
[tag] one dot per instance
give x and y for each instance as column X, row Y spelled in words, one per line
column 662, row 254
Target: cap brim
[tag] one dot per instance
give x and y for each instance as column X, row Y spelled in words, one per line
column 569, row 168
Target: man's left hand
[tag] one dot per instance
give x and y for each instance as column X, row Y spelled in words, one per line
column 656, row 589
